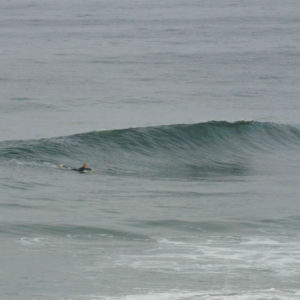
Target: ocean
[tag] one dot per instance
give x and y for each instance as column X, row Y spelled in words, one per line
column 189, row 114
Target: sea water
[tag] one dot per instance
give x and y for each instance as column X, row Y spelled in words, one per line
column 188, row 112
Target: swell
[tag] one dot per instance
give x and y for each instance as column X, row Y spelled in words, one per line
column 210, row 147
column 70, row 231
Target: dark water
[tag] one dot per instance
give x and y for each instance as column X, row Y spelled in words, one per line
column 189, row 114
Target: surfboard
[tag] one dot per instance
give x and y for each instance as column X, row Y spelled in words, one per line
column 62, row 166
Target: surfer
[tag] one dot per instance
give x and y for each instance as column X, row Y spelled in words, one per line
column 82, row 169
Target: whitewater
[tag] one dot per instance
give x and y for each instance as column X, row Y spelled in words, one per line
column 188, row 112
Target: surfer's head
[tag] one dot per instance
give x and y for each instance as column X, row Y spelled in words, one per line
column 85, row 165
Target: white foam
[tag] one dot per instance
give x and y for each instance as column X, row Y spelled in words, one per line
column 260, row 241
column 170, row 242
column 34, row 163
column 26, row 241
column 255, row 253
column 269, row 294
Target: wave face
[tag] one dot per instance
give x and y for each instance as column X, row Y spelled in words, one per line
column 175, row 150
